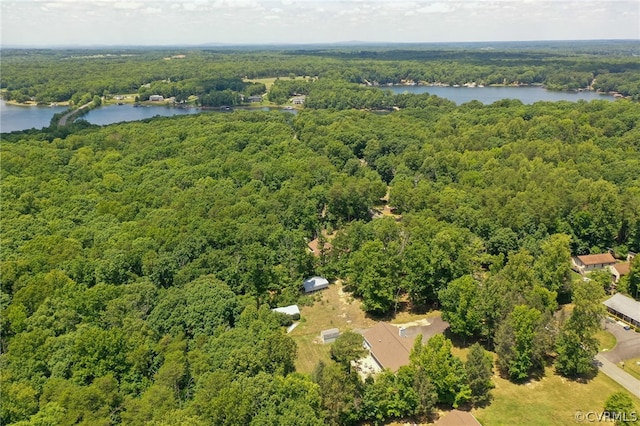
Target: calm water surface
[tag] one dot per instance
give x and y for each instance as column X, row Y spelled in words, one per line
column 14, row 118
column 117, row 113
column 488, row 95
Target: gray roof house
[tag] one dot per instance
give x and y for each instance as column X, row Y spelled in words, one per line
column 624, row 308
column 315, row 284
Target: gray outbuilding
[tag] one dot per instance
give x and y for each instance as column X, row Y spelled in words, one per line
column 625, row 308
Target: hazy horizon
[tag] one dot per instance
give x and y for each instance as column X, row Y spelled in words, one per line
column 108, row 23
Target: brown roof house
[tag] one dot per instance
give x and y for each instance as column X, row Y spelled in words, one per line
column 619, row 270
column 458, row 418
column 316, row 250
column 389, row 346
column 592, row 262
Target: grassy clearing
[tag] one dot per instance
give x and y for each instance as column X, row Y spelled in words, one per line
column 606, row 340
column 268, row 82
column 127, row 98
column 553, row 400
column 406, row 316
column 632, row 366
column 332, row 309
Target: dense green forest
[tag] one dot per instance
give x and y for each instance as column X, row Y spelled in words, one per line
column 140, row 261
column 215, row 76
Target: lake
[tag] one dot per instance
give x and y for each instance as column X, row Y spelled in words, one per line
column 14, row 117
column 117, row 113
column 488, row 95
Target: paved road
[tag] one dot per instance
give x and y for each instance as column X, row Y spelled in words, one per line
column 623, row 378
column 436, row 326
column 64, row 118
column 627, row 346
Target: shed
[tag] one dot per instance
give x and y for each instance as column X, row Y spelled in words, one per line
column 291, row 310
column 328, row 336
column 625, row 308
column 314, row 284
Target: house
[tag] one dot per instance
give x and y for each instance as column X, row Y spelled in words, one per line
column 315, row 284
column 298, row 100
column 156, row 98
column 389, row 345
column 624, row 308
column 458, row 418
column 315, row 248
column 619, row 270
column 254, row 99
column 291, row 310
column 592, row 262
column 328, row 336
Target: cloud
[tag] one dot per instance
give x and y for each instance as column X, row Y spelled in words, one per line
column 127, row 5
column 436, row 8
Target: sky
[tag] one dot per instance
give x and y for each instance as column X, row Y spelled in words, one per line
column 194, row 22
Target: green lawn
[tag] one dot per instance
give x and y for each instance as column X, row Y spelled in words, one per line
column 269, row 81
column 632, row 366
column 553, row 400
column 606, row 340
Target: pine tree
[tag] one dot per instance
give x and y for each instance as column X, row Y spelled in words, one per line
column 479, row 368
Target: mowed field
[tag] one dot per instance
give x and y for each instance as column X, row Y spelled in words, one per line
column 268, row 82
column 332, row 309
column 552, row 400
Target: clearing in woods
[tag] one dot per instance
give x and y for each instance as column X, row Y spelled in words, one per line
column 333, row 309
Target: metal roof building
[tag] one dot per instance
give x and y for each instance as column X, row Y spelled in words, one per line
column 624, row 308
column 328, row 336
column 315, row 284
column 291, row 310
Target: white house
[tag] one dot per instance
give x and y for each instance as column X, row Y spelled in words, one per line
column 298, row 100
column 156, row 98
